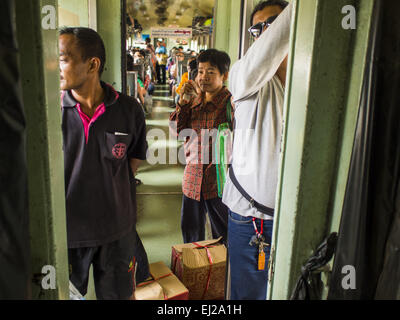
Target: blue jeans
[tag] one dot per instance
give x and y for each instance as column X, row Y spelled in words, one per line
column 247, row 282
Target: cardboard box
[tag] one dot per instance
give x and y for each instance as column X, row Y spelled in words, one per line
column 201, row 268
column 164, row 285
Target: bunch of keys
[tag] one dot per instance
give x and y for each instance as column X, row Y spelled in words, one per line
column 259, row 240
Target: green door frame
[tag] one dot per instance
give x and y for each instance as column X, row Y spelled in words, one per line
column 38, row 45
column 326, row 65
column 41, row 94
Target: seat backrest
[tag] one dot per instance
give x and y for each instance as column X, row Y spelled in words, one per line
column 139, row 68
column 131, row 83
column 182, row 68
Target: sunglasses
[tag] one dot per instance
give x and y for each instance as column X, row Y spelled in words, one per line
column 258, row 28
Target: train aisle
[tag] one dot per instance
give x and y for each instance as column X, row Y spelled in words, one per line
column 159, row 196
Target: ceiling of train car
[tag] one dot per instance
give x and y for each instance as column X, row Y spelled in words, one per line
column 165, row 13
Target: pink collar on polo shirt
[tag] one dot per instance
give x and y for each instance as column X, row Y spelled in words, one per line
column 86, row 121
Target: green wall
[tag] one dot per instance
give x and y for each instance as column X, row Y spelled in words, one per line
column 73, row 13
column 109, row 27
column 227, row 27
column 76, row 13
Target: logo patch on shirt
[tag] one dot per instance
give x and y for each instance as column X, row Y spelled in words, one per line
column 119, row 150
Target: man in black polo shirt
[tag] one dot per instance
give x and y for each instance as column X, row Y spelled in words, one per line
column 104, row 139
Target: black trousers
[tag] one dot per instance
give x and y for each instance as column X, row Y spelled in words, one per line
column 114, row 267
column 160, row 69
column 193, row 219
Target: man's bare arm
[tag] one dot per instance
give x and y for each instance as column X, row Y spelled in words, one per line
column 134, row 163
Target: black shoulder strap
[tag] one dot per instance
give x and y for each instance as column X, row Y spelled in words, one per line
column 229, row 113
column 253, row 203
column 229, row 110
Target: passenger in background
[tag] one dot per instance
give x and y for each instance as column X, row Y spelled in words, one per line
column 202, row 107
column 162, row 71
column 257, row 84
column 170, row 69
column 160, row 48
column 172, row 54
column 140, row 88
column 193, row 70
column 149, row 46
column 174, row 73
column 163, row 44
column 141, row 56
column 129, row 62
column 154, row 67
column 161, row 54
column 141, row 93
column 192, row 64
column 172, row 83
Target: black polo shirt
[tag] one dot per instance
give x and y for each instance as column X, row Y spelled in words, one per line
column 99, row 184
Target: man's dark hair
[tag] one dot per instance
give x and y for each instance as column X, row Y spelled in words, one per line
column 281, row 3
column 129, row 62
column 216, row 58
column 89, row 42
column 143, row 53
column 193, row 68
column 193, row 74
